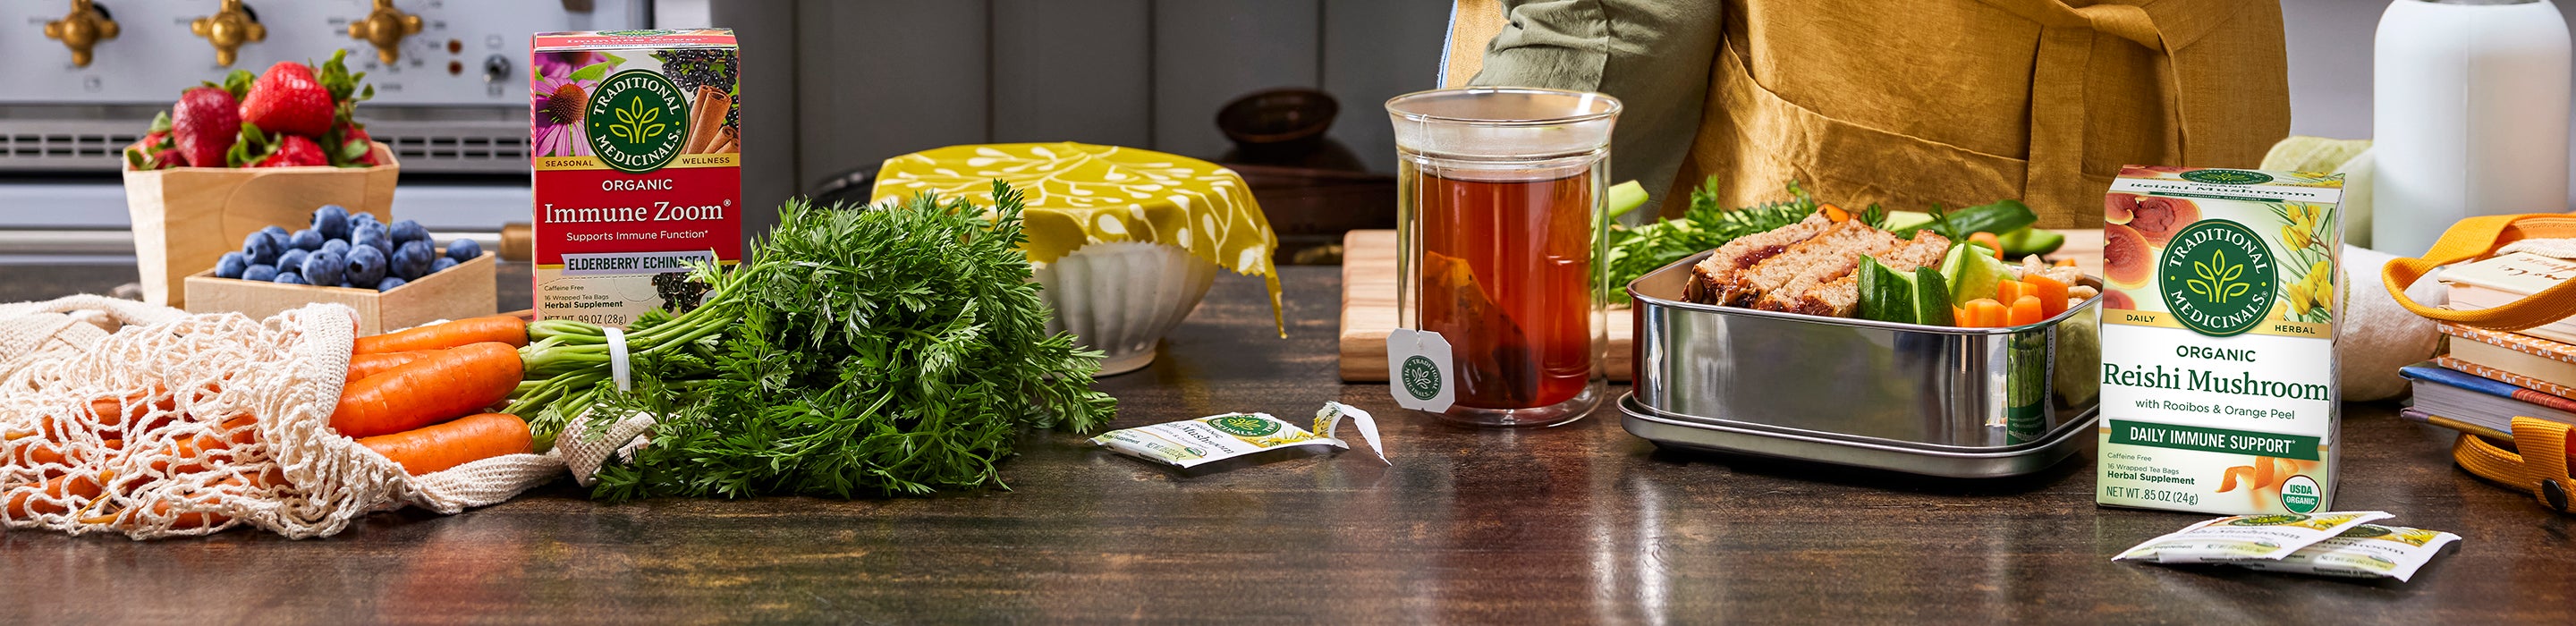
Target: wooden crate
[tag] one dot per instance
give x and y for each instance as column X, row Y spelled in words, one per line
column 456, row 293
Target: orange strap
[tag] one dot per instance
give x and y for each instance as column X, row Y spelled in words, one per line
column 2477, row 237
column 2540, row 467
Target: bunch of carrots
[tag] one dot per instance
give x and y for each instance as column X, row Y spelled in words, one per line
column 2031, row 300
column 419, row 396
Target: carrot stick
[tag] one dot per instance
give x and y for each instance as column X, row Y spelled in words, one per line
column 466, row 440
column 2009, row 290
column 1985, row 313
column 433, row 389
column 1988, row 240
column 502, row 328
column 2026, row 310
column 60, row 488
column 1836, row 213
column 2052, row 294
column 364, row 365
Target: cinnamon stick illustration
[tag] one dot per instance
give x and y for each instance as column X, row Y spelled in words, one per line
column 712, row 104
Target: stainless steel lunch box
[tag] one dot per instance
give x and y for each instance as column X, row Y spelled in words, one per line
column 1963, row 402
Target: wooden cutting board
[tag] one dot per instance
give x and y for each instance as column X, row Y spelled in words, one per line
column 1368, row 301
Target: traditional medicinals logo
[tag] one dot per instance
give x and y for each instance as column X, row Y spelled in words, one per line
column 2218, row 278
column 2227, row 177
column 634, row 121
column 1421, row 378
column 1245, row 425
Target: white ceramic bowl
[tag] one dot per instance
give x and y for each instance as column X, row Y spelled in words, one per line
column 1120, row 297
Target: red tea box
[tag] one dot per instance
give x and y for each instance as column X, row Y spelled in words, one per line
column 636, row 144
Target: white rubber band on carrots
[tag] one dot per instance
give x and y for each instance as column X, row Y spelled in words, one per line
column 617, row 359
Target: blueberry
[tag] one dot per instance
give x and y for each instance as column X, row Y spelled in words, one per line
column 292, row 261
column 326, row 267
column 371, row 234
column 260, row 273
column 339, row 246
column 366, row 266
column 411, row 259
column 389, row 283
column 307, row 240
column 332, row 221
column 290, row 278
column 260, row 248
column 463, row 249
column 441, row 264
column 407, row 230
column 278, row 231
column 231, row 265
column 355, row 218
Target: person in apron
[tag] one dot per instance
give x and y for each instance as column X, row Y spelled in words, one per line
column 1904, row 104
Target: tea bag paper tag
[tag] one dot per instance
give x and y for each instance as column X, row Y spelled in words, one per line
column 1420, row 371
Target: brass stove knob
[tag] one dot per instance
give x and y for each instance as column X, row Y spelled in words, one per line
column 229, row 28
column 82, row 30
column 385, row 27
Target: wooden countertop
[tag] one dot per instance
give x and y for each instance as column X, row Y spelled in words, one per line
column 1581, row 523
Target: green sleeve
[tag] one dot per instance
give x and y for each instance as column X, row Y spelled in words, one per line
column 1653, row 55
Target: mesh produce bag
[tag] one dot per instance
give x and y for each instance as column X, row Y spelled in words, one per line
column 138, row 419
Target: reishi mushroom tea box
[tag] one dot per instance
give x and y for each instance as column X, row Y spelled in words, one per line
column 636, row 145
column 2218, row 365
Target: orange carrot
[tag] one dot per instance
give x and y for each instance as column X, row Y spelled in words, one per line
column 1959, row 315
column 2010, row 290
column 60, row 488
column 427, row 391
column 2066, row 262
column 2052, row 294
column 1988, row 240
column 2026, row 310
column 466, row 440
column 1836, row 213
column 365, row 365
column 502, row 328
column 1985, row 313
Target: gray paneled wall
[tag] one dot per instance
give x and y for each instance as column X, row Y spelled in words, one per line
column 878, row 78
column 1073, row 70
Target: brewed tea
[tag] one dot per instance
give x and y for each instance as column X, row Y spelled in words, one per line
column 1505, row 269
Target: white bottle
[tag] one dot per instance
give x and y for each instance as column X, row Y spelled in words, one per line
column 2469, row 102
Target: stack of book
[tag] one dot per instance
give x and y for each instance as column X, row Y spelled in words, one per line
column 2489, row 377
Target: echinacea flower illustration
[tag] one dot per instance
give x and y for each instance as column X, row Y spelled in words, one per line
column 562, row 87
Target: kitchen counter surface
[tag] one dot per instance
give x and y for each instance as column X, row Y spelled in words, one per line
column 1576, row 523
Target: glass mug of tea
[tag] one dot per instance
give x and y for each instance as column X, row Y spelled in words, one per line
column 1500, row 195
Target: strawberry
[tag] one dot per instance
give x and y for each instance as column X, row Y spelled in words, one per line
column 287, row 100
column 205, row 123
column 169, row 158
column 354, row 149
column 294, row 151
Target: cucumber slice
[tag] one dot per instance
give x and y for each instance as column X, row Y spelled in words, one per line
column 1886, row 294
column 1971, row 273
column 1931, row 298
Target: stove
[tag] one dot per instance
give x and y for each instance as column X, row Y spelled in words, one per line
column 85, row 77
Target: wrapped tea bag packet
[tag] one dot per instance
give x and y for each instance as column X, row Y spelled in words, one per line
column 1190, row 443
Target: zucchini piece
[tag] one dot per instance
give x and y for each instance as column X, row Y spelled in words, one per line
column 2029, row 241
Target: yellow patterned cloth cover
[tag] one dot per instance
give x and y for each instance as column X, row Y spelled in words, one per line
column 1080, row 193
